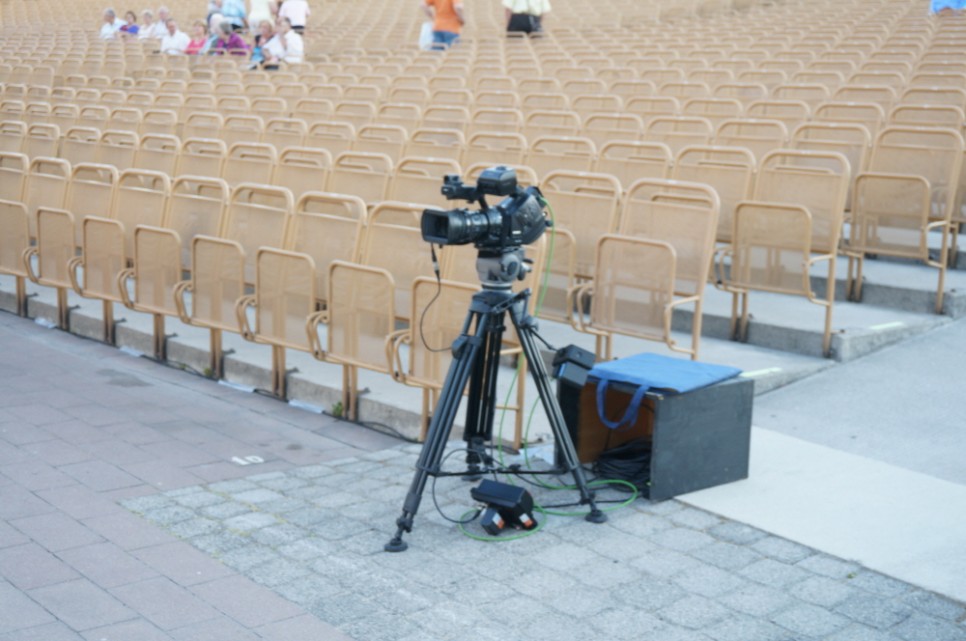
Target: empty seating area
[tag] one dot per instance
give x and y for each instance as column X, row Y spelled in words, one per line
column 731, row 143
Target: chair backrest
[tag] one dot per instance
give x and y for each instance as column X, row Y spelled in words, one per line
column 328, row 227
column 16, row 235
column 249, row 163
column 850, row 140
column 13, row 176
column 159, row 121
column 868, row 114
column 405, row 115
column 202, row 157
column 948, row 116
column 241, row 128
column 809, row 93
column 933, row 153
column 361, row 174
column 586, row 204
column 47, row 183
column 381, row 139
column 605, row 127
column 285, row 294
column 729, row 170
column 91, row 193
column 41, row 140
column 142, row 199
column 285, row 132
column 435, row 143
column 418, row 180
column 790, row 112
column 445, row 304
column 714, row 110
column 678, row 132
column 196, row 208
column 398, row 249
column 203, row 124
column 438, row 116
column 629, row 160
column 303, row 169
column 816, row 180
column 885, row 97
column 336, row 137
column 117, row 148
column 158, row 152
column 759, row 136
column 495, row 147
column 257, row 216
column 681, row 214
column 361, row 314
column 80, row 144
column 955, row 96
column 551, row 153
column 547, row 122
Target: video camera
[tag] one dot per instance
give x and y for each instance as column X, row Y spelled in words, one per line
column 518, row 219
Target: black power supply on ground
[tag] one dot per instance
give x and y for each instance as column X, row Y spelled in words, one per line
column 506, row 505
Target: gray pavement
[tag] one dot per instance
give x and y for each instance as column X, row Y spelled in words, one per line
column 140, row 502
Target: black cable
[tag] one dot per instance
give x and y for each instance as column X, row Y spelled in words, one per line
column 439, row 291
column 436, row 503
column 629, row 462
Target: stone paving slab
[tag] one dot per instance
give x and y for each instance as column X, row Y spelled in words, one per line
column 654, row 571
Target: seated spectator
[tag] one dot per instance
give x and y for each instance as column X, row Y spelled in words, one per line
column 131, row 28
column 175, row 42
column 229, row 41
column 288, row 44
column 199, row 38
column 234, row 12
column 297, row 11
column 112, row 25
column 159, row 28
column 264, row 36
column 147, row 24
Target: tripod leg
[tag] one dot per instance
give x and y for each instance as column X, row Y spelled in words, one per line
column 481, row 408
column 524, row 325
column 466, row 353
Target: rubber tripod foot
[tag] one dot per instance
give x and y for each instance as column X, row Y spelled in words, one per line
column 596, row 516
column 396, row 545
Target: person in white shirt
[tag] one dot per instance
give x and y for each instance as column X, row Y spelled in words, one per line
column 147, row 25
column 159, row 28
column 112, row 24
column 526, row 16
column 297, row 11
column 175, row 42
column 287, row 45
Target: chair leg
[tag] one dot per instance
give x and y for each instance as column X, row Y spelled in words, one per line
column 743, row 325
column 428, row 398
column 159, row 341
column 63, row 310
column 943, row 262
column 21, row 284
column 109, row 329
column 733, row 328
column 829, row 304
column 278, row 372
column 217, row 357
column 696, row 324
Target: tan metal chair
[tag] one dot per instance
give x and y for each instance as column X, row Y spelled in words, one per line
column 729, row 170
column 336, row 137
column 13, row 176
column 203, row 124
column 360, row 319
column 54, row 249
column 116, row 148
column 158, row 152
column 495, row 148
column 678, row 132
column 793, row 224
column 79, row 145
column 602, row 128
column 284, row 299
column 14, row 241
column 249, row 163
column 640, row 281
column 441, row 307
column 791, row 113
column 758, row 136
column 714, row 110
column 381, row 139
column 630, row 160
column 41, row 140
column 436, row 143
column 850, row 140
column 418, row 180
column 202, row 157
column 361, row 174
column 240, row 128
column 547, row 122
column 108, row 242
column 222, row 267
column 303, row 169
column 162, row 254
column 909, row 191
column 551, row 153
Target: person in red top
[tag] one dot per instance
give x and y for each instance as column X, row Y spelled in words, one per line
column 199, row 38
column 447, row 18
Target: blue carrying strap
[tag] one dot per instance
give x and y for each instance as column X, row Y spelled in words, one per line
column 630, row 415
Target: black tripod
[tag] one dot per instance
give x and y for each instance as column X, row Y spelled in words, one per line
column 476, row 355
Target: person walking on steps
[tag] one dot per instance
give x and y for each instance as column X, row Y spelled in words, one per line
column 448, row 21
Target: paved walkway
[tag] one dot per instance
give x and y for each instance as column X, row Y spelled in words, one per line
column 141, row 503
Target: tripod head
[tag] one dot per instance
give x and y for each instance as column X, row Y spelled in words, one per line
column 498, row 268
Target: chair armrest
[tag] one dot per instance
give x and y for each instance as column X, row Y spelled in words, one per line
column 241, row 313
column 72, row 266
column 27, row 255
column 179, row 292
column 123, row 276
column 394, row 341
column 312, row 329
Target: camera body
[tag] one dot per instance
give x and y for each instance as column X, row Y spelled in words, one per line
column 516, row 221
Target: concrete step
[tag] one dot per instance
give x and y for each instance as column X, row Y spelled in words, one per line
column 316, row 384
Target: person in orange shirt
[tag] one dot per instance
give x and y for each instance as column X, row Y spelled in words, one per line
column 447, row 18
